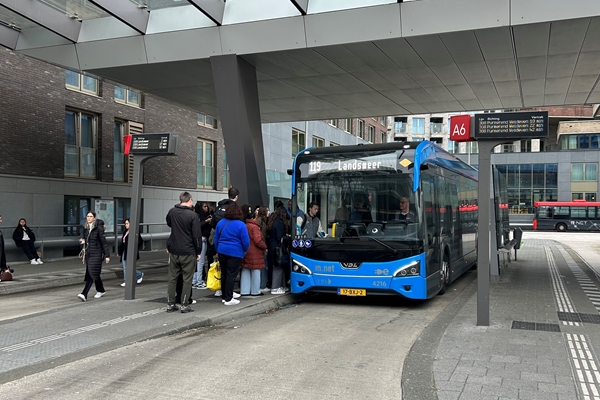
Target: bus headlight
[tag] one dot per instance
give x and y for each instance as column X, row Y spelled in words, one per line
column 412, row 269
column 300, row 268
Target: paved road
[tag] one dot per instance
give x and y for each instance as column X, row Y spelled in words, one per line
column 325, row 347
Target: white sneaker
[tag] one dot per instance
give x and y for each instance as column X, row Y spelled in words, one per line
column 141, row 277
column 39, row 260
column 278, row 291
column 236, row 295
column 99, row 294
column 231, row 302
column 218, row 293
column 81, row 297
column 123, row 284
column 34, row 262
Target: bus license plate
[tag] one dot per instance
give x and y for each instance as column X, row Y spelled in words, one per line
column 352, row 292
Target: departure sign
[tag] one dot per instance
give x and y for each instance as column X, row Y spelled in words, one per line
column 518, row 125
column 345, row 165
column 153, row 144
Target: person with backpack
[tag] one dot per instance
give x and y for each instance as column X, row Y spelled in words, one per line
column 277, row 228
column 232, row 197
column 309, row 225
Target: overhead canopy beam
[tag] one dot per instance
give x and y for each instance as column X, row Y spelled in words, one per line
column 8, row 37
column 126, row 12
column 301, row 5
column 213, row 9
column 45, row 16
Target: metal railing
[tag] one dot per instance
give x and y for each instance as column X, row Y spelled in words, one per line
column 43, row 238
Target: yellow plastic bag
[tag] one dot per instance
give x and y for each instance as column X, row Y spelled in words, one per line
column 213, row 281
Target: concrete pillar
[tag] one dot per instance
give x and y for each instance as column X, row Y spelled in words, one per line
column 239, row 113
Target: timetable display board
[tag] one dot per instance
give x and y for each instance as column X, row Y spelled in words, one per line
column 517, row 125
column 154, row 144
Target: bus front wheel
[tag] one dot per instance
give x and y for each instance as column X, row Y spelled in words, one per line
column 445, row 275
column 561, row 227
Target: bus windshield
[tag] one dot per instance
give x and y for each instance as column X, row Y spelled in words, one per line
column 361, row 204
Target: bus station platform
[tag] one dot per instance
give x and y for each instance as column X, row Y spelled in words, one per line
column 541, row 343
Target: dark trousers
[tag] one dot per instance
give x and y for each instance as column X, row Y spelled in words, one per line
column 29, row 249
column 88, row 284
column 185, row 266
column 178, row 290
column 230, row 267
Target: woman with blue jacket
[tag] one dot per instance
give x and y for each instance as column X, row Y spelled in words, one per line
column 231, row 242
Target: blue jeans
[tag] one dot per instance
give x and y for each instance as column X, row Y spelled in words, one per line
column 250, row 281
column 200, row 264
column 138, row 274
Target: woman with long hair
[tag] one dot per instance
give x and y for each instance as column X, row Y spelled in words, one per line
column 95, row 250
column 123, row 253
column 205, row 217
column 262, row 217
column 278, row 228
column 231, row 242
column 254, row 261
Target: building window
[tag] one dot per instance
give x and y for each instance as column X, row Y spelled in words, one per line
column 298, row 141
column 526, row 146
column 333, row 144
column 318, row 142
column 508, row 148
column 382, row 120
column 128, row 96
column 418, row 125
column 81, row 83
column 528, row 183
column 119, row 159
column 584, row 172
column 80, row 144
column 332, row 122
column 371, row 137
column 205, row 164
column 383, row 136
column 361, row 129
column 581, row 141
column 400, row 124
column 436, row 125
column 348, row 125
column 226, row 175
column 207, row 120
column 584, row 196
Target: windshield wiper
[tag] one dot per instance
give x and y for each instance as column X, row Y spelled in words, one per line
column 387, row 246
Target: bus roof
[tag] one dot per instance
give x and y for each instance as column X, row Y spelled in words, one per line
column 576, row 203
column 428, row 152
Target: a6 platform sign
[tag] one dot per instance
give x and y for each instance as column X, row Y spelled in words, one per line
column 460, row 128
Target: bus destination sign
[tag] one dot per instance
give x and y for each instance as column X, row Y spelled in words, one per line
column 153, row 144
column 518, row 125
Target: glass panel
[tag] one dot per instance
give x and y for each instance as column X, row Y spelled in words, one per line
column 525, row 204
column 200, row 118
column 590, row 197
column 118, row 156
column 71, row 163
column 538, row 195
column 319, row 6
column 584, row 142
column 208, row 162
column 572, row 142
column 88, row 162
column 90, row 84
column 576, row 196
column 418, row 125
column 120, row 93
column 437, row 127
column 513, row 200
column 72, row 78
column 200, row 164
column 226, row 169
column 87, row 131
column 591, row 211
column 576, row 172
column 512, row 174
column 209, row 120
column 578, row 212
column 551, row 176
column 525, row 175
column 70, row 129
column 591, row 172
column 538, row 176
column 551, row 195
column 238, row 11
column 133, row 97
column 594, row 141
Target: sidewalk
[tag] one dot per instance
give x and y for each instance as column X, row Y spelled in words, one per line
column 541, row 342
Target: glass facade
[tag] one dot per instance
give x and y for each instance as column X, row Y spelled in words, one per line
column 528, row 183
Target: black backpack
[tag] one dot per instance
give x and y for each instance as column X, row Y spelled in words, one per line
column 219, row 214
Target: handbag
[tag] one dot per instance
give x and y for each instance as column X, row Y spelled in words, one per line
column 6, row 275
column 278, row 254
column 213, row 279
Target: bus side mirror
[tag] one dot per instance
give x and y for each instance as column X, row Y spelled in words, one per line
column 290, row 172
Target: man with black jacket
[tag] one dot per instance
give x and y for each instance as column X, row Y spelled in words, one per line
column 184, row 246
column 232, row 196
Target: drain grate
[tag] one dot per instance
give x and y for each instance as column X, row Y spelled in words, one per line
column 579, row 317
column 535, row 326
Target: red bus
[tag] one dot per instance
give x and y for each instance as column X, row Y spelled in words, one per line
column 577, row 215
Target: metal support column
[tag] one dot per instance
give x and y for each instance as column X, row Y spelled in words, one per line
column 237, row 97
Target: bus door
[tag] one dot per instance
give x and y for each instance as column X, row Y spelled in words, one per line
column 431, row 226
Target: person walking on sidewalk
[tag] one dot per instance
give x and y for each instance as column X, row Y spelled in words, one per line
column 184, row 247
column 95, row 250
column 232, row 242
column 25, row 239
column 123, row 254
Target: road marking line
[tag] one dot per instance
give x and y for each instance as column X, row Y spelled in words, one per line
column 563, row 300
column 583, row 361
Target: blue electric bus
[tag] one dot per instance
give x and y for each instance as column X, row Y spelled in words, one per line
column 370, row 243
